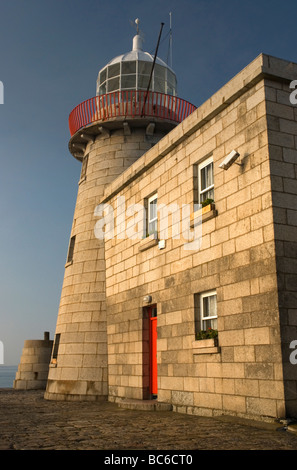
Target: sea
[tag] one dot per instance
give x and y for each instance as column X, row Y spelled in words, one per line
column 7, row 376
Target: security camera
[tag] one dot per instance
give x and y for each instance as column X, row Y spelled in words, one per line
column 229, row 160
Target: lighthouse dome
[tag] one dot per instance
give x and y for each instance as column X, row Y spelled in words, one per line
column 131, row 71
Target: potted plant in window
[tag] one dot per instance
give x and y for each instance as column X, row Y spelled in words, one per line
column 207, row 205
column 210, row 336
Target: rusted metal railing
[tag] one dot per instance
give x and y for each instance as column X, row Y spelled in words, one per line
column 130, row 104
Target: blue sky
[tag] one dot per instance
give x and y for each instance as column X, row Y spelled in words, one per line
column 51, row 52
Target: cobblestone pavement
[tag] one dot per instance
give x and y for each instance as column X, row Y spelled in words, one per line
column 28, row 422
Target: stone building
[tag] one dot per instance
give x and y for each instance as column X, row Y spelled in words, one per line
column 165, row 299
column 33, row 368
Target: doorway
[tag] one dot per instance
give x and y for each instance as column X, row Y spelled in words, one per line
column 150, row 366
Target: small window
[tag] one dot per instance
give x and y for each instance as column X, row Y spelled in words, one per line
column 71, row 249
column 84, row 167
column 205, row 181
column 56, row 346
column 206, row 317
column 208, row 311
column 152, row 216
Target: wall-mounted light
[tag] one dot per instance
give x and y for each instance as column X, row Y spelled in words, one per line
column 147, row 299
column 229, row 160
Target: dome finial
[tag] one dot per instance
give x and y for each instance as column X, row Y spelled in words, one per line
column 137, row 40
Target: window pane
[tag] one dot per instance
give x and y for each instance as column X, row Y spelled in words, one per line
column 102, row 89
column 171, row 77
column 206, row 176
column 103, row 76
column 152, row 215
column 152, row 227
column 128, row 67
column 113, row 84
column 128, row 81
column 113, row 70
column 207, row 195
column 159, row 71
column 159, row 85
column 145, row 68
column 143, row 81
column 170, row 90
column 213, row 323
column 153, row 209
column 209, row 306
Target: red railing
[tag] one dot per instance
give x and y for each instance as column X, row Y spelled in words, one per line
column 128, row 104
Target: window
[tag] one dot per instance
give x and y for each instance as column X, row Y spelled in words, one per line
column 113, row 70
column 128, row 67
column 84, row 167
column 205, row 181
column 152, row 216
column 56, row 346
column 71, row 249
column 208, row 311
column 206, row 317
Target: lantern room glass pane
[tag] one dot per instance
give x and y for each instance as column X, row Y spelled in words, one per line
column 102, row 76
column 143, row 81
column 171, row 77
column 128, row 67
column 159, row 71
column 113, row 84
column 170, row 90
column 113, row 70
column 159, row 85
column 128, row 81
column 144, row 68
column 102, row 89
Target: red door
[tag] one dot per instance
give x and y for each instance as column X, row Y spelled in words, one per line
column 153, row 353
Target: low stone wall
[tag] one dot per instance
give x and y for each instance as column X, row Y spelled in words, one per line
column 33, row 369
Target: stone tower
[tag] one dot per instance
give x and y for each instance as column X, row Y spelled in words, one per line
column 134, row 107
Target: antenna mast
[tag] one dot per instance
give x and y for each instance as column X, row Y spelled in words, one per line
column 150, row 79
column 170, row 39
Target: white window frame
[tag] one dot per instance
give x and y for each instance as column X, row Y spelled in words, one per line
column 202, row 317
column 155, row 219
column 202, row 165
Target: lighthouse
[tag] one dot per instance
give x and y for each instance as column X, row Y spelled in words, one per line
column 135, row 106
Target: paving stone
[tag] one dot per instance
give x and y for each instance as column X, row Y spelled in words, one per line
column 29, row 422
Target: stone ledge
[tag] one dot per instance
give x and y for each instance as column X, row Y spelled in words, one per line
column 69, row 263
column 202, row 215
column 144, row 405
column 215, row 350
column 206, row 346
column 147, row 243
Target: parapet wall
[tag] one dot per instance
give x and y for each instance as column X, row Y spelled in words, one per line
column 34, row 365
